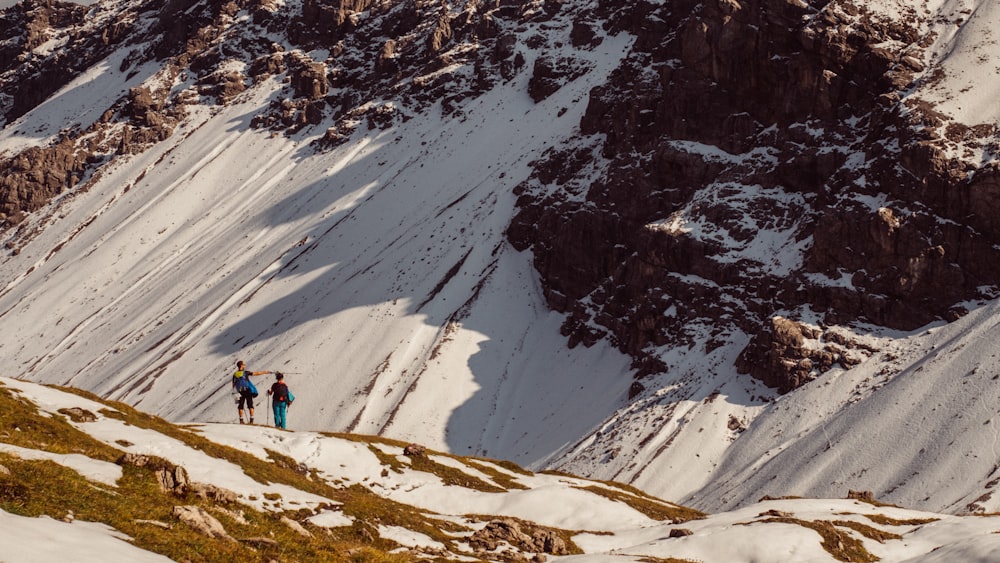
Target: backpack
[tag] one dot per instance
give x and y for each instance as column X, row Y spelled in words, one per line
column 281, row 393
column 243, row 383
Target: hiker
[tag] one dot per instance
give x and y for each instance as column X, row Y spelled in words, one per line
column 246, row 388
column 282, row 398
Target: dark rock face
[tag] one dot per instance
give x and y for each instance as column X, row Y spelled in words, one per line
column 786, row 354
column 549, row 74
column 736, row 120
column 23, row 28
column 32, row 178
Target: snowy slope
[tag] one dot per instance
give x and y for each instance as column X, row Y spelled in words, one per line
column 605, row 522
column 920, row 426
column 376, row 275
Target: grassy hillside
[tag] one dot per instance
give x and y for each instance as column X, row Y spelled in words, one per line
column 103, row 481
column 140, row 506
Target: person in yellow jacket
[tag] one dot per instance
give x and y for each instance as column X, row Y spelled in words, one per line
column 245, row 388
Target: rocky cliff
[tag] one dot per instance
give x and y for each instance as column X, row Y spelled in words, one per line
column 763, row 159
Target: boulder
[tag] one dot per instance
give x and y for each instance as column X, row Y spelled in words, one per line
column 415, row 450
column 519, row 535
column 780, row 357
column 76, row 414
column 202, row 522
column 173, row 478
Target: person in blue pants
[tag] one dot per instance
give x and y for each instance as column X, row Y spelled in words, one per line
column 282, row 397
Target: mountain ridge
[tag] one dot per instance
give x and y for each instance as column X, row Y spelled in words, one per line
column 348, row 192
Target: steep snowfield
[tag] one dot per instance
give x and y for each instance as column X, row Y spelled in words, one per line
column 964, row 52
column 920, row 425
column 376, row 275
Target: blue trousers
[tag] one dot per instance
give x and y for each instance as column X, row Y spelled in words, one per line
column 280, row 413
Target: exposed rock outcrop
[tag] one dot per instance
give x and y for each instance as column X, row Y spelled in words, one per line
column 202, row 522
column 787, row 354
column 509, row 532
column 174, row 478
column 758, row 119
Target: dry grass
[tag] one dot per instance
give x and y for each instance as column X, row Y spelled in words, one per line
column 651, row 507
column 868, row 531
column 886, row 521
column 508, row 465
column 452, row 475
column 499, row 477
column 36, row 488
column 449, row 475
column 839, row 544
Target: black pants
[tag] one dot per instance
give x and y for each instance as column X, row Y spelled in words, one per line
column 246, row 396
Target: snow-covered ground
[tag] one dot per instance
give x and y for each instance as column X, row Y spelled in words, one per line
column 377, row 277
column 779, row 531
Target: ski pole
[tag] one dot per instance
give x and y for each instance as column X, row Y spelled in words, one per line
column 267, row 415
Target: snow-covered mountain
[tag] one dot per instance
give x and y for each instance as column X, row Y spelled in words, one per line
column 716, row 250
